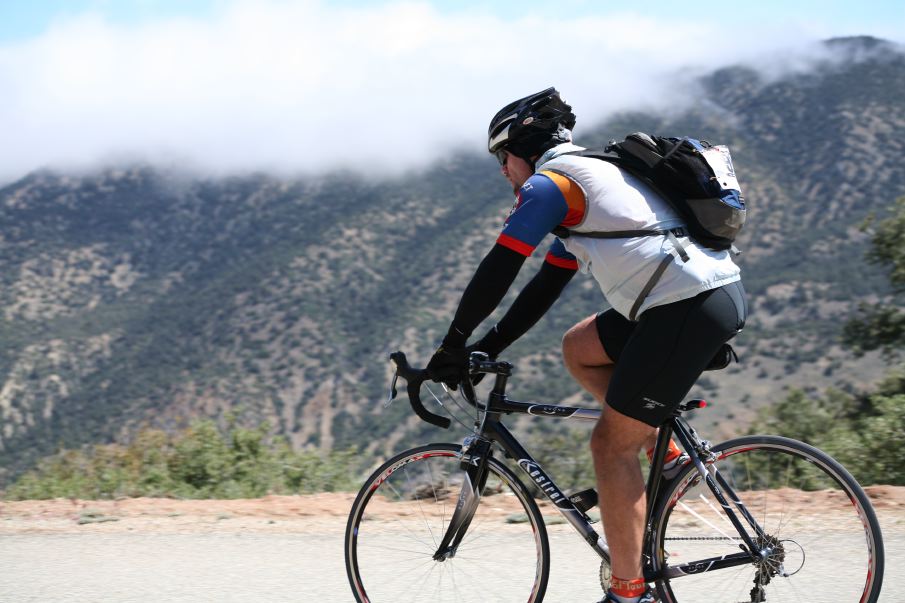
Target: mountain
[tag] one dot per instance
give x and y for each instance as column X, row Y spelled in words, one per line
column 137, row 296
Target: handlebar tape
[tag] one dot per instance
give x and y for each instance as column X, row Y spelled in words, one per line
column 414, row 378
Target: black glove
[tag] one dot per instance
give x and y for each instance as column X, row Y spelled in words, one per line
column 448, row 365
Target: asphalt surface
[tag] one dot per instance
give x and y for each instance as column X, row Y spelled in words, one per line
column 96, row 566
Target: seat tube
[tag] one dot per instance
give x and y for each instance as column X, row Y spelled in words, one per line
column 664, row 435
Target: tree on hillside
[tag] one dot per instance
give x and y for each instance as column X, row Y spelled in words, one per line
column 882, row 325
column 863, row 431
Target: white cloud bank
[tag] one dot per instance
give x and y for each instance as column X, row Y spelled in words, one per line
column 302, row 87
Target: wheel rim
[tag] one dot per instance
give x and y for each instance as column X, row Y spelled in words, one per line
column 819, row 533
column 399, row 520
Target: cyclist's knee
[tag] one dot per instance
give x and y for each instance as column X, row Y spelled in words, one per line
column 581, row 345
column 607, row 449
column 618, row 435
column 569, row 345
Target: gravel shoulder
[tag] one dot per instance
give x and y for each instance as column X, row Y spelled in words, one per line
column 325, row 513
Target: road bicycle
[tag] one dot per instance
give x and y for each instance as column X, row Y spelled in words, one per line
column 754, row 519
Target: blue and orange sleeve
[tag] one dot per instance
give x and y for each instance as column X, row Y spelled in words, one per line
column 573, row 197
column 559, row 257
column 545, row 201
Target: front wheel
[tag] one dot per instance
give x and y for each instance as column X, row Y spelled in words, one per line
column 818, row 525
column 401, row 515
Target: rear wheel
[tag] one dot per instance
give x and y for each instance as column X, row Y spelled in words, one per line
column 401, row 515
column 818, row 523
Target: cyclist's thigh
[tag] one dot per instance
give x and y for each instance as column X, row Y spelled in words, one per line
column 582, row 344
column 614, row 331
column 669, row 348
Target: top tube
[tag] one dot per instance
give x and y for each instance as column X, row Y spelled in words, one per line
column 497, row 402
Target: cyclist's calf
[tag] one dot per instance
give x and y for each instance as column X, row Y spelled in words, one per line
column 615, row 443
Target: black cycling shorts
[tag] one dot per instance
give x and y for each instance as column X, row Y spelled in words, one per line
column 659, row 358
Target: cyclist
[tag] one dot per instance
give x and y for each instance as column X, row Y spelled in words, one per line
column 639, row 369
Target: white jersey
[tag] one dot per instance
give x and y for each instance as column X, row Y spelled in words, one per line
column 616, row 200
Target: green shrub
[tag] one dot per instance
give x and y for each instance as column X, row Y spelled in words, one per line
column 863, row 432
column 198, row 462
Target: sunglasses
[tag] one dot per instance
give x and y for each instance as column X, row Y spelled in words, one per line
column 501, row 156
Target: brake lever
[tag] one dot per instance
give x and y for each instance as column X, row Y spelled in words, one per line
column 393, row 391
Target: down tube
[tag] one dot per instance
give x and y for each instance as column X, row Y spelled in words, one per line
column 546, row 485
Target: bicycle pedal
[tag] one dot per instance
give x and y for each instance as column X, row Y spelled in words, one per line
column 584, row 500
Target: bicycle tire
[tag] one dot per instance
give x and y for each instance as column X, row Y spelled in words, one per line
column 401, row 512
column 829, row 542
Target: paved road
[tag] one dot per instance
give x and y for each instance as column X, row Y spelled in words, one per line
column 255, row 566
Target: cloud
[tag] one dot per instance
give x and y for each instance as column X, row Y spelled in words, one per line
column 304, row 87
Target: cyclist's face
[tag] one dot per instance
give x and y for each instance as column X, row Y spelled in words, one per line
column 516, row 170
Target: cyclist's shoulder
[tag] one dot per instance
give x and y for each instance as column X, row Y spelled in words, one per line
column 541, row 184
column 554, row 179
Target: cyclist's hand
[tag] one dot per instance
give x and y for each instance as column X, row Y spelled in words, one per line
column 448, row 365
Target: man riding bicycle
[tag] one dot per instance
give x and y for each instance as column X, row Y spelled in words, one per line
column 639, row 358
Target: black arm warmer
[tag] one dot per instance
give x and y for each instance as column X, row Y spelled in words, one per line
column 533, row 302
column 483, row 294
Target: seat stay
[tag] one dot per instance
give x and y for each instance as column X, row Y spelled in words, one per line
column 752, row 521
column 719, row 487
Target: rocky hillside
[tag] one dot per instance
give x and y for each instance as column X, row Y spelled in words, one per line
column 134, row 296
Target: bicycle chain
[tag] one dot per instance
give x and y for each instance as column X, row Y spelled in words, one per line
column 723, row 538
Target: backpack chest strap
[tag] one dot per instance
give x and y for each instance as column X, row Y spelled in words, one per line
column 671, row 234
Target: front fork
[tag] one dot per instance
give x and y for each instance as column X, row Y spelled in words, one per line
column 475, row 454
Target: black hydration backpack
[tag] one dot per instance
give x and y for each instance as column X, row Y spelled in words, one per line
column 695, row 177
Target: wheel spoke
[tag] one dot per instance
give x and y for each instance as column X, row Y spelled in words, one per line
column 409, row 504
column 802, row 500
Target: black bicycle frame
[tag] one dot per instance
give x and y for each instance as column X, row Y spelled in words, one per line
column 478, row 447
column 493, row 431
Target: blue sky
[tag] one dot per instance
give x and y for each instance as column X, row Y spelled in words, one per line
column 307, row 85
column 886, row 18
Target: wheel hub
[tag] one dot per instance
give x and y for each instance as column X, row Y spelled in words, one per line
column 772, row 563
column 768, row 567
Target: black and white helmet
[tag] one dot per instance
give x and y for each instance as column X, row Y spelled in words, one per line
column 531, row 125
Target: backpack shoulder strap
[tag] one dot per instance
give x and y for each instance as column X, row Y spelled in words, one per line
column 638, row 156
column 605, row 154
column 655, row 277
